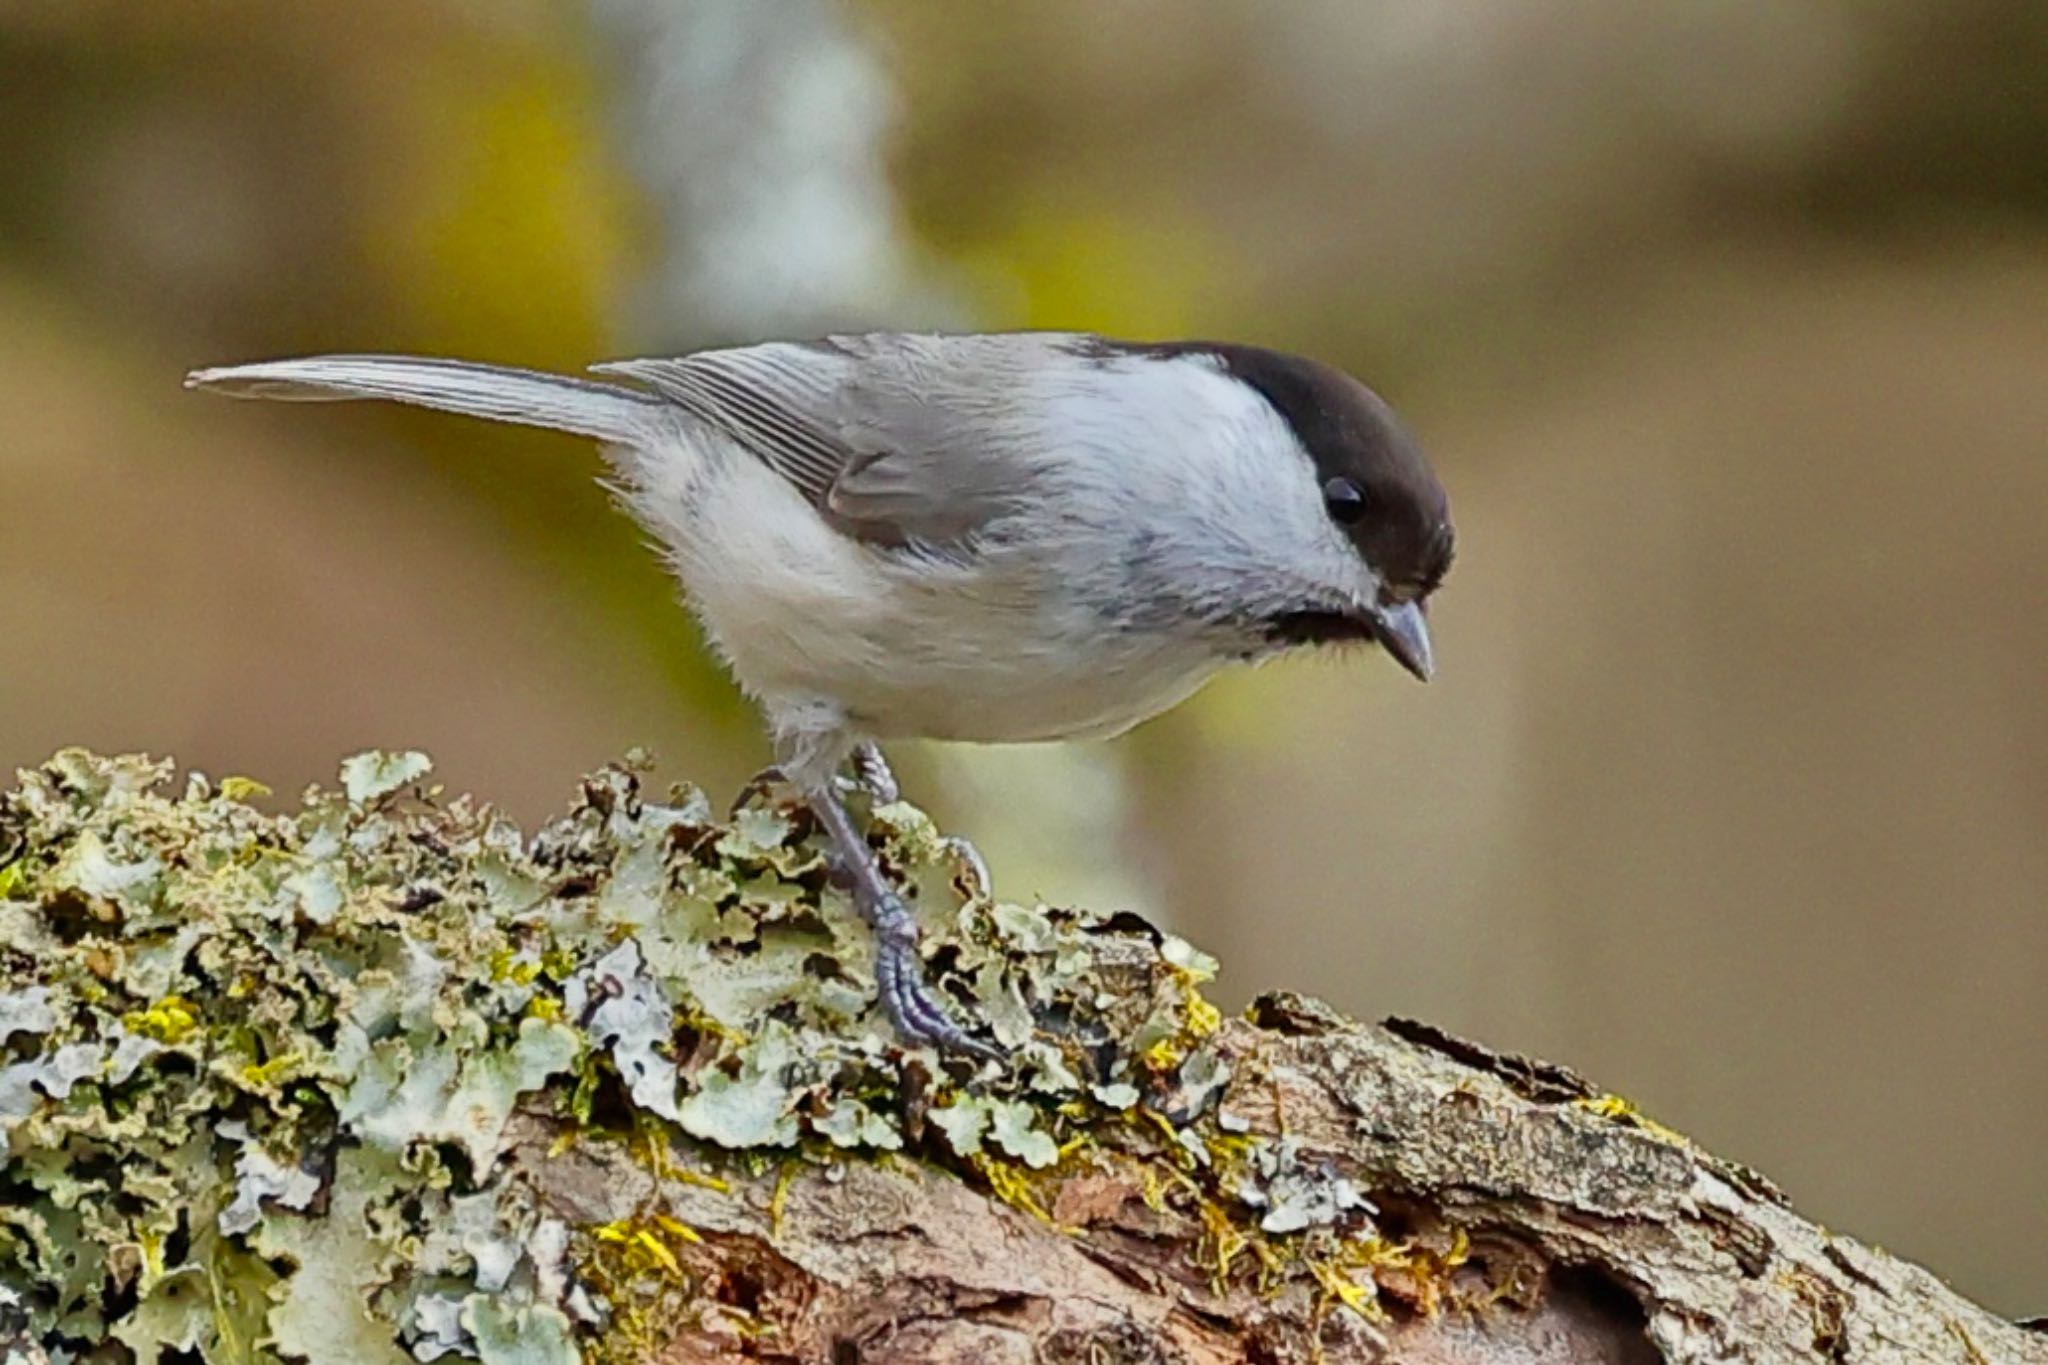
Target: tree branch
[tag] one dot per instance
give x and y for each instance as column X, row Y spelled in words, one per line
column 382, row 1079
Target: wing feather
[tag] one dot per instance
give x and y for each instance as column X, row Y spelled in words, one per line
column 780, row 422
column 898, row 439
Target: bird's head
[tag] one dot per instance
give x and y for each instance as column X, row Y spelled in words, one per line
column 1381, row 502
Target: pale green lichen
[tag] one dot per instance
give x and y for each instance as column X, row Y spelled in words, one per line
column 972, row 1122
column 1292, row 1194
column 368, row 776
column 258, row 1071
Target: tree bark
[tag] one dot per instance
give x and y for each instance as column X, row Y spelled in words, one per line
column 382, row 1079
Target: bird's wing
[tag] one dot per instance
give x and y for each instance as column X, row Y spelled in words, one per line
column 897, row 439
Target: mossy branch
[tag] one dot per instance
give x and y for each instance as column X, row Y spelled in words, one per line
column 383, row 1079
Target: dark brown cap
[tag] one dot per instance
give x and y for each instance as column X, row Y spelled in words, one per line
column 1377, row 483
column 1403, row 529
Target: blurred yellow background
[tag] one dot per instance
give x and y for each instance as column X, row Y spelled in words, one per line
column 1727, row 324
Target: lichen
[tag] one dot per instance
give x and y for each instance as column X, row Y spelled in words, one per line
column 259, row 1072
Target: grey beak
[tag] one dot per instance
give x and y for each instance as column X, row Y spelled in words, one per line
column 1403, row 631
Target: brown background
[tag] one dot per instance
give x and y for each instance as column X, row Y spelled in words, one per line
column 1727, row 324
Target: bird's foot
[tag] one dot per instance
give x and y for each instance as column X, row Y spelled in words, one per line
column 907, row 997
column 872, row 771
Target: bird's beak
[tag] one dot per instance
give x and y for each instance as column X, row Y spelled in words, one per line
column 1403, row 631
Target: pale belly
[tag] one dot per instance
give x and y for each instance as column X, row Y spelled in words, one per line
column 958, row 671
column 805, row 616
column 1032, row 699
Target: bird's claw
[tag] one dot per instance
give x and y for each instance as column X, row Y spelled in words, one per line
column 872, row 771
column 907, row 997
column 871, row 774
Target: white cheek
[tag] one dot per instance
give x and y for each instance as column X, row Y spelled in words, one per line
column 1206, row 464
column 1262, row 510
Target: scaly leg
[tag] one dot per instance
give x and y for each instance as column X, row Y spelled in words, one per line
column 899, row 972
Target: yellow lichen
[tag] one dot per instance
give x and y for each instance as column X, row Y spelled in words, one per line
column 1962, row 1335
column 676, row 1227
column 583, row 1099
column 1011, row 1184
column 1140, row 1115
column 1424, row 1272
column 1614, row 1107
column 1164, row 1055
column 1229, row 1153
column 745, row 1324
column 644, row 1242
column 506, row 965
column 242, row 788
column 1071, row 1148
column 1330, row 1275
column 1222, row 1241
column 652, row 1144
column 654, row 1247
column 776, row 1202
column 649, row 1143
column 267, row 1075
column 704, row 1025
column 639, row 1275
column 1155, row 1180
column 170, row 1020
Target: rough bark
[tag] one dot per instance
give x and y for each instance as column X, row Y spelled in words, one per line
column 381, row 1078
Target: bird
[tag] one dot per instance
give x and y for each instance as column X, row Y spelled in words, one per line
column 984, row 537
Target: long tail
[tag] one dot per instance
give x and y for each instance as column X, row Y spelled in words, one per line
column 607, row 412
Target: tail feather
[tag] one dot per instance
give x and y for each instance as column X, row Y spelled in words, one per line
column 607, row 412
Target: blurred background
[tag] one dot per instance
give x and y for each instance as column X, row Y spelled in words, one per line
column 1726, row 321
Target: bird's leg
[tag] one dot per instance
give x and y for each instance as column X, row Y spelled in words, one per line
column 873, row 772
column 899, row 972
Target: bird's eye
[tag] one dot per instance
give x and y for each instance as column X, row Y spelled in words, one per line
column 1344, row 499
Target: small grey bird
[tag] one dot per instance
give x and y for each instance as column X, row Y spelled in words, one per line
column 1014, row 536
